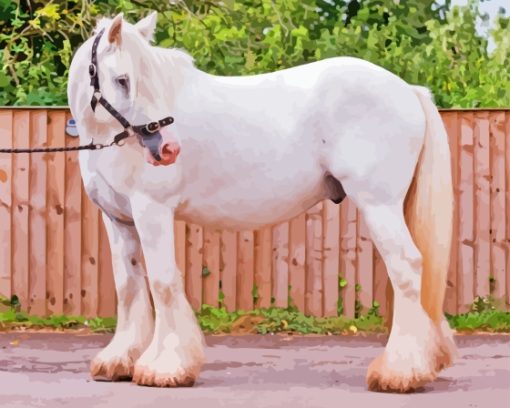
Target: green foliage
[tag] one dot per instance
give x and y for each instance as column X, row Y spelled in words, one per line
column 205, row 272
column 483, row 304
column 420, row 40
column 221, row 297
column 263, row 321
column 38, row 39
column 358, row 308
column 489, row 320
column 215, row 320
column 11, row 319
column 340, row 306
column 255, row 295
column 374, row 310
column 14, row 302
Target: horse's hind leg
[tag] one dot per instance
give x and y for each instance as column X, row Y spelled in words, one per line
column 134, row 311
column 415, row 344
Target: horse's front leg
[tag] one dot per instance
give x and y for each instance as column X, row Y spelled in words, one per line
column 176, row 353
column 135, row 323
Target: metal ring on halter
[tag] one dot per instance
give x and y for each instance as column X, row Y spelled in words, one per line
column 152, row 127
column 92, row 70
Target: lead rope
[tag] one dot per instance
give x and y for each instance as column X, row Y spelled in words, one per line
column 90, row 146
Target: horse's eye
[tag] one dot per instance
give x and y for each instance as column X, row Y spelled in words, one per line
column 123, row 81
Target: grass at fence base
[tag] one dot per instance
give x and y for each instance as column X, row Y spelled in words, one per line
column 262, row 321
column 13, row 320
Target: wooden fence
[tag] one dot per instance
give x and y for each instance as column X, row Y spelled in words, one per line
column 54, row 253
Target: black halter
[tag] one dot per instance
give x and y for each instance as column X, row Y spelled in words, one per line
column 148, row 134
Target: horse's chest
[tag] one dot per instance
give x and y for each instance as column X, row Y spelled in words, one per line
column 107, row 184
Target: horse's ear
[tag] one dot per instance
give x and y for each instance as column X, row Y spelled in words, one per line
column 147, row 25
column 114, row 33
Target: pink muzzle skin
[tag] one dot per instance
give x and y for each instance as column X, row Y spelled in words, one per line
column 168, row 152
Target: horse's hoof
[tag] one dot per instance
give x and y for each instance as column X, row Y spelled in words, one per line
column 116, row 369
column 383, row 378
column 148, row 377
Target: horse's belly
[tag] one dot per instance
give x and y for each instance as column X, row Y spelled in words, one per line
column 250, row 205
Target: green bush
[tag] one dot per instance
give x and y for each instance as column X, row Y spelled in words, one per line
column 420, row 40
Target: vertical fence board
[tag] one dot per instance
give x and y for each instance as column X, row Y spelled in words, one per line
column 451, row 123
column 228, row 268
column 180, row 247
column 107, row 301
column 281, row 264
column 212, row 263
column 466, row 213
column 245, row 266
column 6, row 142
column 72, row 231
column 194, row 249
column 314, row 289
column 331, row 254
column 20, row 205
column 365, row 266
column 38, row 206
column 297, row 261
column 380, row 282
column 55, row 232
column 498, row 208
column 348, row 254
column 263, row 266
column 89, row 257
column 507, row 204
column 482, row 204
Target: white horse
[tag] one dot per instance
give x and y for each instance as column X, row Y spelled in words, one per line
column 255, row 150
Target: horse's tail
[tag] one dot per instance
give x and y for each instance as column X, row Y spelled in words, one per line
column 429, row 208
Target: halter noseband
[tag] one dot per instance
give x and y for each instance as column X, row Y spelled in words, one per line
column 148, row 134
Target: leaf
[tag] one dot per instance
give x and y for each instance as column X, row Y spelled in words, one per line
column 15, row 301
column 50, row 11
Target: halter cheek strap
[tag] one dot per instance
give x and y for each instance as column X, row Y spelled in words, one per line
column 94, row 78
column 148, row 132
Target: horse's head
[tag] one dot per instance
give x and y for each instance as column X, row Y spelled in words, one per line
column 130, row 82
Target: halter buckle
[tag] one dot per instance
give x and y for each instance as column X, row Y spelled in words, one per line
column 152, row 127
column 92, row 70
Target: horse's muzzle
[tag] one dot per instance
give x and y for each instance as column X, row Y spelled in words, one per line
column 158, row 152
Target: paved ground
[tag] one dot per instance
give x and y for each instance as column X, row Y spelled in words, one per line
column 51, row 370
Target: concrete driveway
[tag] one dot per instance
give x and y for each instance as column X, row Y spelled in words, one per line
column 51, row 370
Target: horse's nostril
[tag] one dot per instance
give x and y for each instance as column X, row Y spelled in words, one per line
column 170, row 149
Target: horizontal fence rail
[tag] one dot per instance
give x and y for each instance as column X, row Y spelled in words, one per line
column 54, row 253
